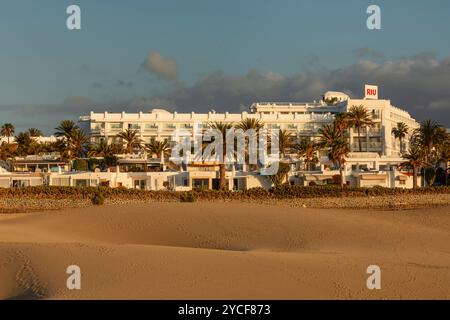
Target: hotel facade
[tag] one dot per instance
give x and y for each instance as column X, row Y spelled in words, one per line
column 377, row 165
column 302, row 119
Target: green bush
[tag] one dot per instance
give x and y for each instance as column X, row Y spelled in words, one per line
column 284, row 191
column 98, row 199
column 187, row 197
column 80, row 165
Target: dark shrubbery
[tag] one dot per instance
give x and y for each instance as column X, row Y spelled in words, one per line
column 98, row 199
column 187, row 196
column 80, row 165
column 284, row 191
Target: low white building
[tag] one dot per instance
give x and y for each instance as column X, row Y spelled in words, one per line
column 42, row 139
column 362, row 170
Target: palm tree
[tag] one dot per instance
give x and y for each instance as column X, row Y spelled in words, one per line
column 358, row 117
column 281, row 176
column 250, row 124
column 306, row 149
column 338, row 151
column 332, row 139
column 444, row 150
column 101, row 149
column 79, row 142
column 66, row 129
column 7, row 130
column 400, row 132
column 341, row 121
column 34, row 132
column 415, row 159
column 158, row 148
column 444, row 155
column 7, row 150
column 57, row 146
column 429, row 136
column 24, row 144
column 222, row 129
column 330, row 133
column 285, row 141
column 131, row 139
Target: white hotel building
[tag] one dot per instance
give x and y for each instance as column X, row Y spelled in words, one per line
column 377, row 164
column 302, row 119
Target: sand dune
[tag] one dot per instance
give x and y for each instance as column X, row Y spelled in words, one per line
column 225, row 251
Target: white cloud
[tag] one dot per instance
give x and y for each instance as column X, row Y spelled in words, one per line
column 163, row 67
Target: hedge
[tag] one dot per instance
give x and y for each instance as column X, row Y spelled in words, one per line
column 282, row 192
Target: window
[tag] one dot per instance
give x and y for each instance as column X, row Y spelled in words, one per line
column 62, row 182
column 375, row 142
column 169, row 126
column 134, row 126
column 21, row 183
column 81, row 183
column 140, row 184
column 200, row 183
column 97, row 126
column 151, row 126
column 116, row 126
column 375, row 114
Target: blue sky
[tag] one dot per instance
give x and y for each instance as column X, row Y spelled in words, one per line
column 45, row 68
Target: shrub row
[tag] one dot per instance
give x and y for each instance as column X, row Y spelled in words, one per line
column 282, row 192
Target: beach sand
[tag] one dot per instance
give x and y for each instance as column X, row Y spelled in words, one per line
column 220, row 250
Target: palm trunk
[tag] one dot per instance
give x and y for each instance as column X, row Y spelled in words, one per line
column 341, row 174
column 222, row 180
column 359, row 139
column 414, row 177
column 401, row 145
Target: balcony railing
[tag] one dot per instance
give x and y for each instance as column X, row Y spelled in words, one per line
column 364, row 145
column 375, row 131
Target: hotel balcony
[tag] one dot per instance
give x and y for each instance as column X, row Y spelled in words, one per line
column 365, row 146
column 98, row 131
column 150, row 128
column 374, row 132
column 170, row 127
